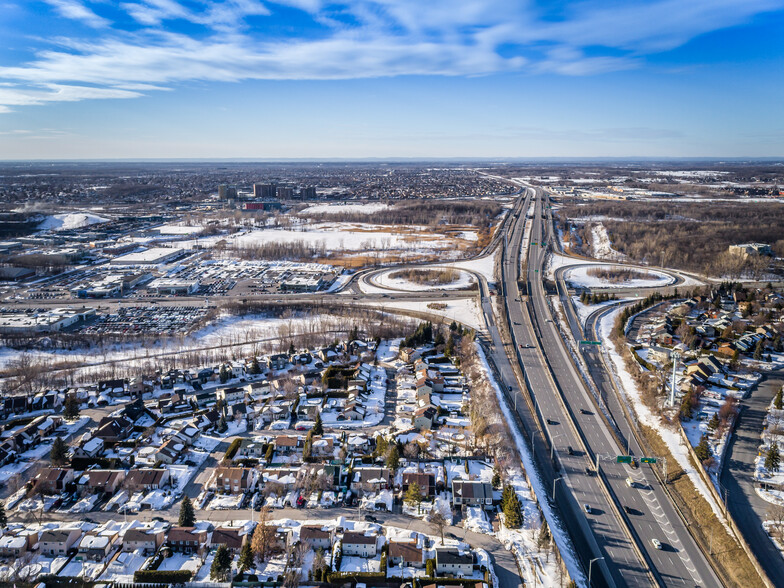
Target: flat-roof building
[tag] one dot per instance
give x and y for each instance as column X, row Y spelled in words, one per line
column 152, row 256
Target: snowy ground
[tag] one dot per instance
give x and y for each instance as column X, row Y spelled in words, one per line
column 601, row 247
column 585, row 310
column 578, row 277
column 463, row 310
column 386, row 281
column 72, row 220
column 180, row 561
column 345, row 208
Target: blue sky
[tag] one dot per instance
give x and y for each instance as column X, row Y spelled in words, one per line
column 391, row 78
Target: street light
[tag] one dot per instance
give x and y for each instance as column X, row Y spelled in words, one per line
column 554, row 481
column 590, row 568
column 552, row 444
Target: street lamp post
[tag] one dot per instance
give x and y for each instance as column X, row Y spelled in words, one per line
column 554, row 481
column 590, row 568
column 552, row 446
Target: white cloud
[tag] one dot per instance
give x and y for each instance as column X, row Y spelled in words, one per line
column 358, row 39
column 75, row 10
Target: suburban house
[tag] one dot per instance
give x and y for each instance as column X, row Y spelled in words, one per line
column 186, row 539
column 359, row 544
column 169, row 451
column 114, row 429
column 472, row 493
column 234, row 480
column 12, row 546
column 148, row 540
column 187, row 435
column 405, row 553
column 58, row 541
column 370, row 479
column 146, row 479
column 316, row 537
column 230, row 395
column 89, row 449
column 54, row 480
column 108, row 481
column 426, row 482
column 425, row 417
column 228, row 536
column 95, row 547
column 286, row 444
column 450, row 561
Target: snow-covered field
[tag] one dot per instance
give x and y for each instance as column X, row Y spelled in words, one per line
column 601, row 248
column 464, row 310
column 71, row 220
column 353, row 208
column 385, row 280
column 579, row 278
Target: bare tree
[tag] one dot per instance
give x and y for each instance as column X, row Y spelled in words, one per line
column 439, row 523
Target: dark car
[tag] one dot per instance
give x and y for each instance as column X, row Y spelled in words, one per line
column 370, row 518
column 550, row 422
column 585, row 411
column 569, row 450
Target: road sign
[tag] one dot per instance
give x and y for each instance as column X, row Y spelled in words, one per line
column 648, row 460
column 590, row 342
column 623, row 459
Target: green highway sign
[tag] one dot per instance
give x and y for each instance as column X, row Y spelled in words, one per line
column 590, row 342
column 648, row 460
column 623, row 459
column 536, row 271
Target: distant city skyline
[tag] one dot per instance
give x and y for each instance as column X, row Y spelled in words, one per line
column 354, row 79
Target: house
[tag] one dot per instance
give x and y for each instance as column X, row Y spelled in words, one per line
column 187, row 435
column 207, row 420
column 252, row 448
column 370, row 479
column 89, row 449
column 56, row 542
column 146, row 479
column 323, row 447
column 230, row 395
column 234, row 480
column 169, row 451
column 426, row 482
column 114, row 429
column 472, row 493
column 409, row 354
column 425, row 417
column 710, row 362
column 405, row 553
column 148, row 540
column 108, row 481
column 95, row 547
column 54, row 480
column 228, row 536
column 12, row 546
column 278, row 361
column 359, row 544
column 186, row 539
column 316, row 537
column 450, row 561
column 286, row 444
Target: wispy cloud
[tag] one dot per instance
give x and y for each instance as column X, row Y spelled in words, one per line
column 357, row 39
column 76, row 10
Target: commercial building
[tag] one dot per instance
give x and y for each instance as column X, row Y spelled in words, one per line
column 43, row 322
column 173, row 286
column 152, row 256
column 264, row 191
column 751, row 249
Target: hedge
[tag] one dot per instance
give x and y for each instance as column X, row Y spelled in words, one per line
column 162, row 576
column 233, row 448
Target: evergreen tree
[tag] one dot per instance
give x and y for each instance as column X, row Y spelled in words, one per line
column 449, row 349
column 221, row 564
column 246, row 557
column 758, row 350
column 703, row 449
column 3, row 516
column 222, row 426
column 59, row 452
column 496, row 481
column 773, row 458
column 713, row 424
column 393, row 458
column 187, row 515
column 318, row 426
column 224, row 374
column 255, row 368
column 778, row 402
column 292, row 350
column 269, row 453
column 413, row 495
column 71, row 410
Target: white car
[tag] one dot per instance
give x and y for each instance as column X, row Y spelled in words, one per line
column 630, row 482
column 656, row 543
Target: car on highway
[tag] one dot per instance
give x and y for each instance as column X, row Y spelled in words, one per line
column 630, row 482
column 551, row 422
column 587, row 508
column 656, row 543
column 589, row 472
column 628, row 509
column 569, row 450
column 585, row 411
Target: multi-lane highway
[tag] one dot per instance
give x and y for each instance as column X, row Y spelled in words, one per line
column 582, row 438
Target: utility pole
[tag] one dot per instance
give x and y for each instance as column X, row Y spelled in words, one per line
column 675, row 357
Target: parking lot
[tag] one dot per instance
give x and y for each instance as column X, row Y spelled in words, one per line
column 154, row 320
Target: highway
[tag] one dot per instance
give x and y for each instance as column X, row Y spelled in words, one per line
column 651, row 515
